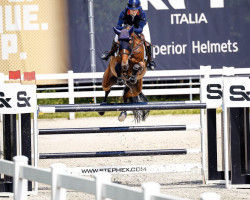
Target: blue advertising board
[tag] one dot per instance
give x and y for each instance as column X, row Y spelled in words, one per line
column 185, row 33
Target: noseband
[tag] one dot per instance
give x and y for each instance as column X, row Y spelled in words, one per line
column 123, row 51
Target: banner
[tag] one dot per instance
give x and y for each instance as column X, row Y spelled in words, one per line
column 188, row 33
column 185, row 33
column 53, row 36
column 34, row 36
column 138, row 169
column 16, row 98
column 231, row 91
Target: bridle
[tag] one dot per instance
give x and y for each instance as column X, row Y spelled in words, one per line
column 123, row 51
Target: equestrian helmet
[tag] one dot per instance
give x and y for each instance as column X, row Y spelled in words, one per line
column 134, row 4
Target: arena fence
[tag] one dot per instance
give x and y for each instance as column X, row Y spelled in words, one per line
column 100, row 186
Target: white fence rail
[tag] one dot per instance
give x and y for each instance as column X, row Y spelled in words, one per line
column 100, row 186
column 70, row 77
column 71, row 94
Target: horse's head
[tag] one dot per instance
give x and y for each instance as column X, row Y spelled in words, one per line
column 124, row 38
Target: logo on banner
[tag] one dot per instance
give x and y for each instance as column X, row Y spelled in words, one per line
column 237, row 95
column 237, row 92
column 4, row 102
column 181, row 18
column 21, row 97
column 176, row 4
column 22, row 100
column 240, row 92
column 214, row 91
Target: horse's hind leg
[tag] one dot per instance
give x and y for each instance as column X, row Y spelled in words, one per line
column 105, row 101
column 129, row 92
column 107, row 89
column 135, row 95
column 107, row 82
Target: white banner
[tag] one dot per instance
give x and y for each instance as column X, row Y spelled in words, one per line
column 135, row 169
column 233, row 89
column 17, row 98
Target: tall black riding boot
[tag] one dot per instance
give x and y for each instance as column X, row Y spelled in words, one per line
column 150, row 63
column 107, row 54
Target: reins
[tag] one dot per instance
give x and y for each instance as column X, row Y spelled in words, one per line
column 135, row 48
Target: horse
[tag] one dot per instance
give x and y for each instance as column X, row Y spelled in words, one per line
column 127, row 68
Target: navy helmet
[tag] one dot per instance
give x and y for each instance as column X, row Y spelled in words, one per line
column 134, row 4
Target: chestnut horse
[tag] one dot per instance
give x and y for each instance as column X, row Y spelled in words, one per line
column 127, row 68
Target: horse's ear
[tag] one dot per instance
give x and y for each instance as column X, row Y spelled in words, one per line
column 131, row 30
column 117, row 31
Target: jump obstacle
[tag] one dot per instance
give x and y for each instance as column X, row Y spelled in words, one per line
column 118, row 153
column 232, row 95
column 113, row 107
column 123, row 129
column 118, row 107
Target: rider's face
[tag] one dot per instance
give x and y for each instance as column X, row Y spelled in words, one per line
column 133, row 12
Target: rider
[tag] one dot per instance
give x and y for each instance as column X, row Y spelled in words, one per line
column 132, row 15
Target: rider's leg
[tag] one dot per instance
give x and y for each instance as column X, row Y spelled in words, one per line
column 114, row 47
column 150, row 62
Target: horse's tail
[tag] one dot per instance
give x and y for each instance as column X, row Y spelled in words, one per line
column 139, row 115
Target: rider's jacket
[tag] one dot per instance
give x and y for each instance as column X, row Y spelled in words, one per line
column 139, row 21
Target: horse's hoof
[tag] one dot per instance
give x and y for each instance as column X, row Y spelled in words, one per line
column 120, row 81
column 133, row 79
column 122, row 116
column 101, row 113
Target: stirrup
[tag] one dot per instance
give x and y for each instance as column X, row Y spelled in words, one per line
column 105, row 56
column 151, row 65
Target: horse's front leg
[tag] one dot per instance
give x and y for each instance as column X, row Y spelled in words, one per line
column 118, row 70
column 123, row 114
column 133, row 78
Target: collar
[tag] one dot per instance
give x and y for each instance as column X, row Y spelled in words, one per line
column 128, row 12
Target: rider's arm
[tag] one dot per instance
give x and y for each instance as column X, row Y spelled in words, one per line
column 142, row 23
column 120, row 21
